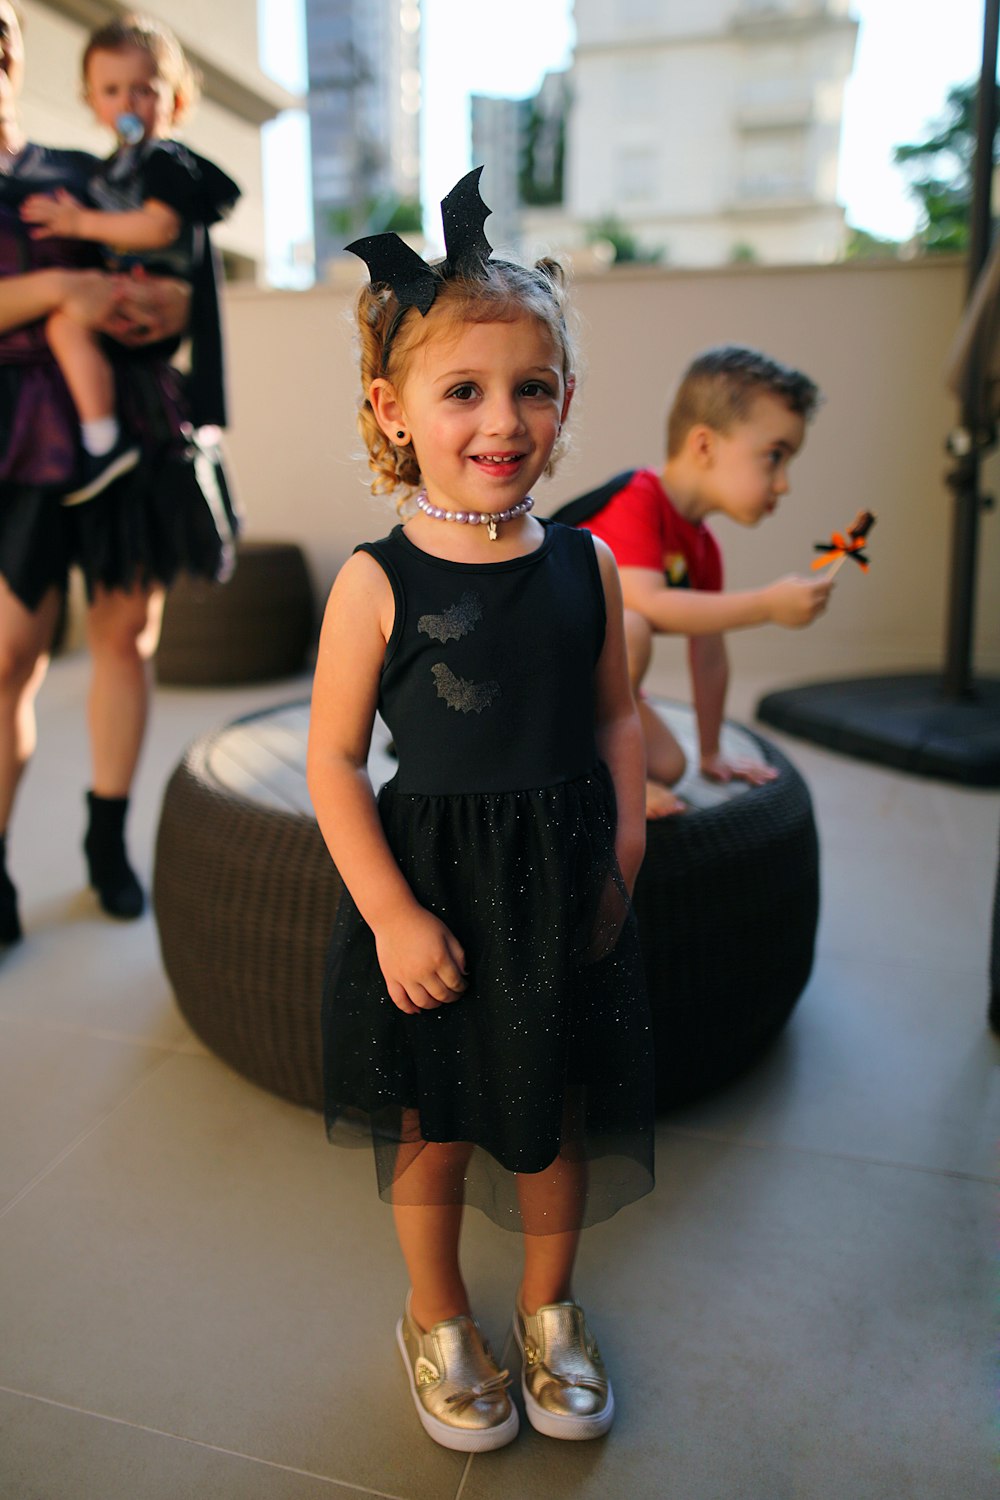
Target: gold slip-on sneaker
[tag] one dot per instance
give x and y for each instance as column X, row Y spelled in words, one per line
column 567, row 1393
column 460, row 1395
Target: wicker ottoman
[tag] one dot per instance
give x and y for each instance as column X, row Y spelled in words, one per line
column 245, row 895
column 255, row 627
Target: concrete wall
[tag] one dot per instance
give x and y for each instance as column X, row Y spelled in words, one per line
column 874, row 336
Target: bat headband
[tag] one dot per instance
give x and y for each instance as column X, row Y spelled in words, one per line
column 392, row 263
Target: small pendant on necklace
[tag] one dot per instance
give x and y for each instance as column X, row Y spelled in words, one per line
column 492, row 528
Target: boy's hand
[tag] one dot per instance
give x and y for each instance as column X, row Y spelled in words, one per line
column 422, row 963
column 56, row 217
column 795, row 601
column 717, row 768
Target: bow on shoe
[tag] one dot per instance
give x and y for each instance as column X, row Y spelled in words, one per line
column 492, row 1387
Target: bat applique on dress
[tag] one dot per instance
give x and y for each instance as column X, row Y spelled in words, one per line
column 458, row 620
column 467, row 697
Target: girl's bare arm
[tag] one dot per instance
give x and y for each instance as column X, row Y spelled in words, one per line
column 421, row 961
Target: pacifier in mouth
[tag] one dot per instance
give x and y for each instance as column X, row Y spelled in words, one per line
column 130, row 129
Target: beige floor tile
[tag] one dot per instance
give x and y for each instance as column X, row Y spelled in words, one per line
column 888, row 1062
column 53, row 1089
column 799, row 1312
column 91, row 975
column 213, row 1269
column 781, row 1327
column 55, row 1453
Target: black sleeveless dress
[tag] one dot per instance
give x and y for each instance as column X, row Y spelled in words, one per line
column 502, row 819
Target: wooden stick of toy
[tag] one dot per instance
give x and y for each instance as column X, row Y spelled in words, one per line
column 839, row 548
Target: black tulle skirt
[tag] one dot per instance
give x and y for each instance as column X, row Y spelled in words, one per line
column 173, row 512
column 540, row 1077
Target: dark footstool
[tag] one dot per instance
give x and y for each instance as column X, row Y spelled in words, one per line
column 255, row 627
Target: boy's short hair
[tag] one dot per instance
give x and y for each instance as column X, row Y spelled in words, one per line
column 719, row 387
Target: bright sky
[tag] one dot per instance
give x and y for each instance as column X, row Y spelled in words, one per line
column 907, row 57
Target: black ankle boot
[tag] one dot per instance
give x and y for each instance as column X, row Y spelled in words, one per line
column 10, row 922
column 111, row 875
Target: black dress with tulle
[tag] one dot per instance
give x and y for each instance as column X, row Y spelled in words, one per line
column 502, row 818
column 173, row 512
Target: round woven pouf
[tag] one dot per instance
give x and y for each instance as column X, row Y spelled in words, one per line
column 255, row 627
column 728, row 904
column 245, row 896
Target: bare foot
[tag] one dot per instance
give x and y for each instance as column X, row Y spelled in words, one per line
column 661, row 802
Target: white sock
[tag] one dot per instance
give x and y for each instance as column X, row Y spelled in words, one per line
column 101, row 436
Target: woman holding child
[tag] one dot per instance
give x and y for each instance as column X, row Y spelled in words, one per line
column 166, row 514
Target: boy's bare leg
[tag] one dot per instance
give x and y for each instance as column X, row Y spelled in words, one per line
column 665, row 759
column 84, row 367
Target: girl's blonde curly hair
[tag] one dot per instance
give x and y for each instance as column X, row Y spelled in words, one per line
column 499, row 292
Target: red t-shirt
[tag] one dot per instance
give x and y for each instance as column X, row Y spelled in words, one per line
column 643, row 530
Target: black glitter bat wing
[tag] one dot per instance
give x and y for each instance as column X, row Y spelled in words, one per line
column 461, row 694
column 392, row 263
column 455, row 622
column 463, row 214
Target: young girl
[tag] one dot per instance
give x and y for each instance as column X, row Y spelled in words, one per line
column 484, row 1013
column 155, row 200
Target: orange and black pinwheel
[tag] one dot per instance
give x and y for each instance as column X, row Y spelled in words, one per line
column 839, row 548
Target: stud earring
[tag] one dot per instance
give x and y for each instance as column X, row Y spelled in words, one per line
column 401, row 434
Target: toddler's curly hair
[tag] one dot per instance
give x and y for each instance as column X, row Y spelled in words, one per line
column 147, row 34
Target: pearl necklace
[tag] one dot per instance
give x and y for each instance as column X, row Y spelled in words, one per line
column 489, row 519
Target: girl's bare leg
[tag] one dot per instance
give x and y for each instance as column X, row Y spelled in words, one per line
column 123, row 629
column 665, row 760
column 85, row 368
column 428, row 1227
column 25, row 638
column 555, row 1196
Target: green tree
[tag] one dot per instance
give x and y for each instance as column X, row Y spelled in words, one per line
column 862, row 245
column 626, row 246
column 940, row 171
column 375, row 216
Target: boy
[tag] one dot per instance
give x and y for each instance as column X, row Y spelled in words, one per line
column 737, row 421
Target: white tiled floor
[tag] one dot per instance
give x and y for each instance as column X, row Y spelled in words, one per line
column 198, row 1294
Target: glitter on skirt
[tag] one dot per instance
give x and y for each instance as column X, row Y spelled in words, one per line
column 534, row 1091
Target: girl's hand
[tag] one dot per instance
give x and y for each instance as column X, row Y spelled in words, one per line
column 422, row 963
column 56, row 217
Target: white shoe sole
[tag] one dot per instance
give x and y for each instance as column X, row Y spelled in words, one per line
column 552, row 1424
column 108, row 476
column 461, row 1440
